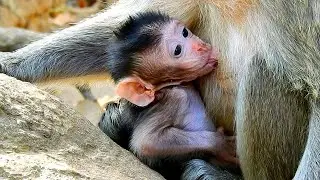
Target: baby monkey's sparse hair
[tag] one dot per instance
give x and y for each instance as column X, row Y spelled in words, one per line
column 137, row 34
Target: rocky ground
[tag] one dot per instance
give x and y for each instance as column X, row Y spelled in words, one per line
column 43, row 138
column 90, row 107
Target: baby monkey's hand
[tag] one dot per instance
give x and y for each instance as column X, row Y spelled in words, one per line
column 225, row 149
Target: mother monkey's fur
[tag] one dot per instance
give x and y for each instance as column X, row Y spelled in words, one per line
column 268, row 79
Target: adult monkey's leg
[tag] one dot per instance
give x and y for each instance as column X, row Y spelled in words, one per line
column 80, row 50
column 272, row 123
column 309, row 167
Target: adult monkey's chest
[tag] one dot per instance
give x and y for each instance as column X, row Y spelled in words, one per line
column 227, row 30
column 218, row 92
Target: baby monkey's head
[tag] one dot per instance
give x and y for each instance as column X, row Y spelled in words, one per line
column 151, row 51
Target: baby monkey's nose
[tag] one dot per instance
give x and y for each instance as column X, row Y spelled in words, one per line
column 200, row 46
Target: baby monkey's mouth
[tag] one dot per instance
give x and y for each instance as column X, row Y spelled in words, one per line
column 212, row 58
column 213, row 62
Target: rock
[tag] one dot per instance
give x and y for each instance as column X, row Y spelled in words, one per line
column 103, row 92
column 42, row 138
column 67, row 93
column 91, row 110
column 91, row 105
column 102, row 89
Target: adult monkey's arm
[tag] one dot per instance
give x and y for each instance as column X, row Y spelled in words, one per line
column 80, row 50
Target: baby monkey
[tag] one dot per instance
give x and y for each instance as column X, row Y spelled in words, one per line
column 160, row 118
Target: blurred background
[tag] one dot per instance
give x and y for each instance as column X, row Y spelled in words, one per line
column 37, row 18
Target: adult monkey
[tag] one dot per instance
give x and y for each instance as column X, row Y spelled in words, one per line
column 269, row 72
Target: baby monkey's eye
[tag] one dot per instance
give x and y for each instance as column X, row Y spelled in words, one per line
column 177, row 51
column 185, row 32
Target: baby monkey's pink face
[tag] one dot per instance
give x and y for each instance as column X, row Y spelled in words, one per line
column 180, row 57
column 183, row 46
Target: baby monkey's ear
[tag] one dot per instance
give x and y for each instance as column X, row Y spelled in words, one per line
column 136, row 91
